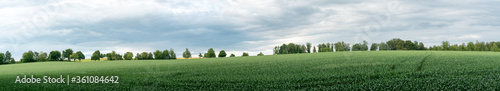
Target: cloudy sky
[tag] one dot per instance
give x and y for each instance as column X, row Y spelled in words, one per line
column 236, row 25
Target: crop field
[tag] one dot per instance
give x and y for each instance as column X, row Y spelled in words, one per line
column 376, row 70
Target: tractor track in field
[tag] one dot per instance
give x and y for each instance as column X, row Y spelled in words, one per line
column 421, row 63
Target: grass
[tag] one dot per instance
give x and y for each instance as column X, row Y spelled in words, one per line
column 378, row 70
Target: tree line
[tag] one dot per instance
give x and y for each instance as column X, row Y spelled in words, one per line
column 70, row 55
column 393, row 44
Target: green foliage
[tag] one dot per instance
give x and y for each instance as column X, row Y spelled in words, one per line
column 244, row 54
column 28, row 57
column 150, row 56
column 232, row 55
column 186, row 54
column 291, row 48
column 172, row 54
column 210, row 53
column 314, row 50
column 66, row 53
column 74, row 56
column 55, row 55
column 495, row 48
column 96, row 55
column 308, row 45
column 114, row 56
column 128, row 56
column 80, row 55
column 360, row 46
column 341, row 46
column 166, row 54
column 325, row 47
column 374, row 47
column 2, row 58
column 222, row 54
column 8, row 56
column 158, row 54
column 42, row 57
column 260, row 54
column 200, row 55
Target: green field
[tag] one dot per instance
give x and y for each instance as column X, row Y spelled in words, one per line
column 377, row 70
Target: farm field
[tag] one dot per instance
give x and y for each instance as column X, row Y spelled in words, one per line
column 375, row 70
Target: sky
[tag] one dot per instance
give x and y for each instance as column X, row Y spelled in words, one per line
column 236, row 26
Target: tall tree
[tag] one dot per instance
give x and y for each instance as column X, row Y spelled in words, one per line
column 128, row 55
column 374, row 47
column 494, row 48
column 446, row 45
column 222, row 54
column 232, row 55
column 172, row 54
column 74, row 56
column 166, row 54
column 314, row 50
column 8, row 56
column 55, row 55
column 210, row 53
column 260, row 54
column 28, row 57
column 96, row 55
column 471, row 46
column 67, row 53
column 186, row 54
column 158, row 54
column 150, row 56
column 80, row 55
column 200, row 55
column 2, row 58
column 308, row 45
column 244, row 54
column 144, row 56
column 42, row 56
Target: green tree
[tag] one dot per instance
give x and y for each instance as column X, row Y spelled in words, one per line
column 74, row 56
column 186, row 54
column 54, row 55
column 210, row 53
column 158, row 54
column 471, row 46
column 200, row 55
column 374, row 47
column 494, row 48
column 144, row 56
column 172, row 54
column 28, row 57
column 67, row 53
column 232, row 55
column 138, row 56
column 222, row 54
column 80, row 55
column 12, row 61
column 42, row 56
column 166, row 54
column 244, row 54
column 150, row 56
column 308, row 45
column 96, row 55
column 8, row 56
column 128, row 55
column 260, row 54
column 314, row 50
column 2, row 58
column 446, row 45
